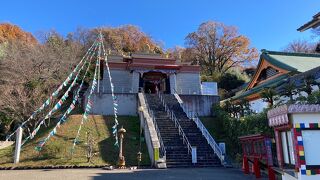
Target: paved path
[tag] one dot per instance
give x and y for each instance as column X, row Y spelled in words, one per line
column 145, row 174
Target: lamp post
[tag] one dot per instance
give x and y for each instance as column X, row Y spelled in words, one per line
column 139, row 154
column 122, row 162
column 139, row 157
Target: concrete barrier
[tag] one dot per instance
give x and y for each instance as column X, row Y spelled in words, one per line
column 103, row 104
column 201, row 104
column 150, row 132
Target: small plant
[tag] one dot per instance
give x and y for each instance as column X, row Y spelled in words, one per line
column 269, row 95
column 90, row 147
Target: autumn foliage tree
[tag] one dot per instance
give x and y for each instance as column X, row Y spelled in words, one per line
column 127, row 39
column 218, row 47
column 10, row 32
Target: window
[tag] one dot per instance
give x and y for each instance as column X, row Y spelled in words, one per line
column 287, row 147
column 267, row 73
column 311, row 143
column 271, row 72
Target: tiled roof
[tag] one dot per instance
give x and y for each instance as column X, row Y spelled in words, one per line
column 300, row 62
column 292, row 62
column 314, row 23
column 271, row 83
column 297, row 79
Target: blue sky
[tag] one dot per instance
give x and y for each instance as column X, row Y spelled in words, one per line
column 269, row 24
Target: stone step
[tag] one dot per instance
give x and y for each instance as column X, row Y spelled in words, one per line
column 176, row 152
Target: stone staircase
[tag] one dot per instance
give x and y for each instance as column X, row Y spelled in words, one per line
column 176, row 152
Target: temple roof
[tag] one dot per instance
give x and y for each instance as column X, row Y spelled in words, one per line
column 285, row 64
column 298, row 79
column 314, row 23
column 300, row 62
column 149, row 61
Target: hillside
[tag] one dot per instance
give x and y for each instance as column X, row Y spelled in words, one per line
column 57, row 150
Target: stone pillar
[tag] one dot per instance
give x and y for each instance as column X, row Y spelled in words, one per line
column 279, row 148
column 173, row 83
column 135, row 82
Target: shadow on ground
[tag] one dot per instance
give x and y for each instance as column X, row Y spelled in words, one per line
column 130, row 146
column 177, row 174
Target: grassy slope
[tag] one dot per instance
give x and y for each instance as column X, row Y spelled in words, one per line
column 57, row 150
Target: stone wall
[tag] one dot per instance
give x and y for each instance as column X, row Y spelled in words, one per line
column 201, row 104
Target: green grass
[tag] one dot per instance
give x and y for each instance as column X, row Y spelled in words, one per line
column 57, row 151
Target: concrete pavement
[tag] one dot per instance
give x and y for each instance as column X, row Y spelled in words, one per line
column 143, row 174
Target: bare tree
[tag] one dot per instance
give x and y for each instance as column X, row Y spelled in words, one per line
column 30, row 72
column 301, row 46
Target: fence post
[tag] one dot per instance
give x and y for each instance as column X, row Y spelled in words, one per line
column 18, row 145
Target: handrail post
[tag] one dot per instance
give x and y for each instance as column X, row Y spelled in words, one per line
column 194, row 154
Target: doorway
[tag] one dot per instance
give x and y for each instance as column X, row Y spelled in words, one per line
column 153, row 81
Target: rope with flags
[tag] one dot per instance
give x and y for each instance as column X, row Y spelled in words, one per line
column 68, row 111
column 57, row 105
column 114, row 98
column 56, row 92
column 89, row 101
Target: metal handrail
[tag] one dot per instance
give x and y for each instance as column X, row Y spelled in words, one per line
column 203, row 129
column 176, row 123
column 181, row 132
column 150, row 112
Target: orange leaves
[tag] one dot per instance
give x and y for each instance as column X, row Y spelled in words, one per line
column 9, row 32
column 218, row 47
column 129, row 38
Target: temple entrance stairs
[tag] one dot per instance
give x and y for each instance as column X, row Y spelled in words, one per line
column 176, row 151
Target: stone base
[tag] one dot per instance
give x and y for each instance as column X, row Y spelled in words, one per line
column 161, row 164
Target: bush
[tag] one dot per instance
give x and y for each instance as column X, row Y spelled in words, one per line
column 229, row 129
column 255, row 124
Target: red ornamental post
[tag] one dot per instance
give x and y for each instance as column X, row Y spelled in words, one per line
column 256, row 168
column 271, row 174
column 245, row 165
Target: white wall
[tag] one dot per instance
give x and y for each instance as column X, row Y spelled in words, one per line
column 103, row 104
column 135, row 82
column 188, row 83
column 200, row 104
column 209, row 88
column 121, row 79
column 308, row 118
column 173, row 83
